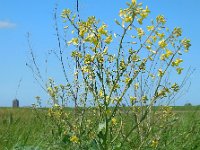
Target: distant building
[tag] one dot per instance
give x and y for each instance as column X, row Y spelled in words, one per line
column 15, row 103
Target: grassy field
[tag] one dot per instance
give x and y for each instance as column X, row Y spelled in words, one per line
column 21, row 129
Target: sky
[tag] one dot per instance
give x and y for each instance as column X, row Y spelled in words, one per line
column 17, row 18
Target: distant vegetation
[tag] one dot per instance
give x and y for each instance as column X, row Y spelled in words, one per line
column 25, row 128
column 188, row 104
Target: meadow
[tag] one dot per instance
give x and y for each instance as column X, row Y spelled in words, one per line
column 26, row 128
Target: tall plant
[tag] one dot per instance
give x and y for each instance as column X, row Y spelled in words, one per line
column 119, row 77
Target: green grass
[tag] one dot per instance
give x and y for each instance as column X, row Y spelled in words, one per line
column 21, row 128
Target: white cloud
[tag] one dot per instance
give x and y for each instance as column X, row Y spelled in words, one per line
column 6, row 24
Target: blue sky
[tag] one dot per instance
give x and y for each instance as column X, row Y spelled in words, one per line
column 19, row 17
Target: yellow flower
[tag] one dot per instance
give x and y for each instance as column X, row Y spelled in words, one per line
column 168, row 53
column 51, row 92
column 150, row 28
column 162, row 43
column 76, row 54
column 161, row 35
column 133, row 99
column 65, row 132
column 149, row 42
column 148, row 47
column 116, row 86
column 161, row 19
column 162, row 57
column 85, row 69
column 121, row 12
column 122, row 65
column 154, row 143
column 50, row 112
column 154, row 38
column 186, row 44
column 73, row 41
column 144, row 98
column 134, row 2
column 177, row 32
column 114, row 121
column 127, row 80
column 74, row 139
column 144, row 14
column 140, row 32
column 135, row 58
column 136, row 86
column 108, row 112
column 161, row 93
column 140, row 20
column 82, row 32
column 179, row 70
column 177, row 62
column 108, row 39
column 160, row 73
column 128, row 19
column 102, row 30
column 56, row 105
column 100, row 58
column 92, row 38
column 147, row 9
column 65, row 13
column 175, row 87
column 101, row 93
column 88, row 59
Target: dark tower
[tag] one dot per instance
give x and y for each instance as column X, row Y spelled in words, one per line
column 15, row 103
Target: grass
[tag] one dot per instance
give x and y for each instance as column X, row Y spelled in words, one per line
column 20, row 128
